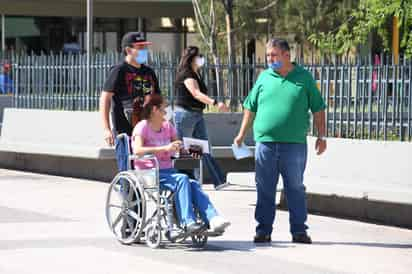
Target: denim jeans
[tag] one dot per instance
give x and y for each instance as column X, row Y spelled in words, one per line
column 192, row 124
column 289, row 161
column 188, row 195
column 121, row 152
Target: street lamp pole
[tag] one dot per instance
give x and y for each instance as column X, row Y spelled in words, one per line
column 3, row 33
column 89, row 48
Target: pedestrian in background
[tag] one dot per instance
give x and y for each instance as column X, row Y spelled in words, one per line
column 6, row 81
column 191, row 100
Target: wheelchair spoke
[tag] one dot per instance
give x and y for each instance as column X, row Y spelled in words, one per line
column 117, row 221
column 130, row 194
column 133, row 215
column 116, row 206
column 129, row 222
column 134, row 203
column 118, row 192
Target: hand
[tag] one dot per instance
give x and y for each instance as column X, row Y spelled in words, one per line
column 195, row 155
column 320, row 146
column 108, row 137
column 238, row 140
column 222, row 107
column 174, row 146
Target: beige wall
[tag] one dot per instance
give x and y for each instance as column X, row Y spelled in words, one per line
column 172, row 42
column 165, row 42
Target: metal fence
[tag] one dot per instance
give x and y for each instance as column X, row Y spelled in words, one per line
column 366, row 100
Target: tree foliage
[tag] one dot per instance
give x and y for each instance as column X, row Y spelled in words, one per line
column 298, row 18
column 206, row 22
column 370, row 15
column 304, row 17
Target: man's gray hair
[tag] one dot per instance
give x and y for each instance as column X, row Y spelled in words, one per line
column 281, row 44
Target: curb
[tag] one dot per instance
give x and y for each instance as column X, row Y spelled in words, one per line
column 362, row 209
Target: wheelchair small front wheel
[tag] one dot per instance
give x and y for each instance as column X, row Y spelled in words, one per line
column 199, row 240
column 153, row 236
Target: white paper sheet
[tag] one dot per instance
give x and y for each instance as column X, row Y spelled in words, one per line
column 193, row 141
column 241, row 151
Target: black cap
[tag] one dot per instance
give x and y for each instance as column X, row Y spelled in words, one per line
column 134, row 38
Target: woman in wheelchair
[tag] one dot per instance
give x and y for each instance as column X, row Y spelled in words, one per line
column 157, row 136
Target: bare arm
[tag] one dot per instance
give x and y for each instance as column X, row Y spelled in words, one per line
column 320, row 125
column 141, row 150
column 247, row 121
column 193, row 87
column 104, row 108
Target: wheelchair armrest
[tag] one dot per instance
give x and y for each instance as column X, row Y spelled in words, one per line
column 144, row 157
column 150, row 157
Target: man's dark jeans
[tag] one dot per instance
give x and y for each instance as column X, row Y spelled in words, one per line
column 288, row 160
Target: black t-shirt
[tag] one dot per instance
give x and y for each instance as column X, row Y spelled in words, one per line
column 184, row 98
column 129, row 85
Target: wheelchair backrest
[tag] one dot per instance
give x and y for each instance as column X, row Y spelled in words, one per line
column 124, row 153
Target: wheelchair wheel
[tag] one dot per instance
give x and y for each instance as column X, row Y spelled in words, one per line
column 153, row 236
column 126, row 207
column 199, row 240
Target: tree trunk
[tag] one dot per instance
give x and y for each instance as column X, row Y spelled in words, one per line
column 218, row 70
column 231, row 48
column 207, row 29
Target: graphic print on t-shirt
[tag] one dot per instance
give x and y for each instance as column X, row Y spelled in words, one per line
column 139, row 85
column 129, row 85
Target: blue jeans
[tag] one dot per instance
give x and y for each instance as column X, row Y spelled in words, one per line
column 288, row 160
column 192, row 124
column 121, row 153
column 188, row 196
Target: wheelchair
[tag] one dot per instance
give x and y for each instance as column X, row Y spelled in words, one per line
column 138, row 210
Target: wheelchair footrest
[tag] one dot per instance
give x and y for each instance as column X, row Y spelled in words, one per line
column 205, row 231
column 214, row 233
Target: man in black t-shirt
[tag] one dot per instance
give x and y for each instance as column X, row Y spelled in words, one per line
column 126, row 86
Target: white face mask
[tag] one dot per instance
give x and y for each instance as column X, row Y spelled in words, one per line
column 169, row 114
column 200, row 61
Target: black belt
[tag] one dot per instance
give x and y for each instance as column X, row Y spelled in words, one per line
column 195, row 109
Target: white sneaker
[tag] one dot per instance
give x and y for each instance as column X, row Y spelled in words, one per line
column 218, row 224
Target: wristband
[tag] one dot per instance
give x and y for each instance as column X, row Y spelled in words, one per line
column 322, row 138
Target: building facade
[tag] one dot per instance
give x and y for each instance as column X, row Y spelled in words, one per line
column 49, row 25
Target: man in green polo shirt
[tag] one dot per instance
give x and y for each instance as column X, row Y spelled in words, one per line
column 279, row 105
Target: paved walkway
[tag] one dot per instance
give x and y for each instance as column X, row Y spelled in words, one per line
column 57, row 225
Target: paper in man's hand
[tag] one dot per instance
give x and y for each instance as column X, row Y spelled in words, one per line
column 241, row 151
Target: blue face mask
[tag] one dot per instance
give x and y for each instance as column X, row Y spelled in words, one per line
column 275, row 65
column 142, row 56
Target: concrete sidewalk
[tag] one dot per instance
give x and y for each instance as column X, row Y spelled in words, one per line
column 377, row 202
column 54, row 225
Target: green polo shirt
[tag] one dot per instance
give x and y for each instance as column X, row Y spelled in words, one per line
column 282, row 105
